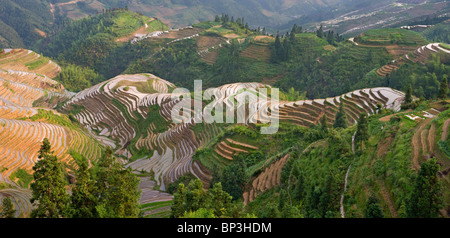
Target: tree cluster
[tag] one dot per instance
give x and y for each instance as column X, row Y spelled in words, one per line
column 107, row 190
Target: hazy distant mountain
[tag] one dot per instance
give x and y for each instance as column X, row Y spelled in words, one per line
column 186, row 12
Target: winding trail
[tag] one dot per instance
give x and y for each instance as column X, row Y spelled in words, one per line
column 387, row 197
column 346, row 177
column 416, row 143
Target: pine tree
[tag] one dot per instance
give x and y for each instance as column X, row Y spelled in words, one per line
column 319, row 32
column 443, row 89
column 408, row 96
column 117, row 189
column 7, row 209
column 341, row 118
column 373, row 208
column 49, row 192
column 278, row 50
column 362, row 130
column 83, row 198
column 426, row 197
column 294, row 29
column 407, row 103
column 323, row 123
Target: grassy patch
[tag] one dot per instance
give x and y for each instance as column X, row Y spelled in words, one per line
column 391, row 36
column 206, row 24
column 445, row 46
column 36, row 63
column 24, row 178
column 50, row 117
column 154, row 205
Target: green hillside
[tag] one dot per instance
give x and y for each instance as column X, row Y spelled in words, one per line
column 22, row 22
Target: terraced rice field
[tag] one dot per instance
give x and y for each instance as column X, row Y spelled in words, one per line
column 420, row 55
column 117, row 111
column 229, row 148
column 308, row 112
column 25, row 77
column 181, row 33
column 260, row 52
column 21, row 141
column 266, row 180
column 28, row 61
column 208, row 48
column 154, row 203
column 20, row 198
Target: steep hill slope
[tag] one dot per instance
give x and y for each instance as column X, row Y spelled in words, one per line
column 25, row 82
column 23, row 22
column 135, row 111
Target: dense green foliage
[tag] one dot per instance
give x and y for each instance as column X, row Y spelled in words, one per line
column 116, row 189
column 234, row 178
column 106, row 190
column 373, row 208
column 20, row 20
column 23, row 178
column 7, row 208
column 193, row 201
column 76, row 78
column 323, row 74
column 438, row 33
column 83, row 200
column 424, row 79
column 426, row 197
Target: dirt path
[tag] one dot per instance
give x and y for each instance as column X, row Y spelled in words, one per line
column 68, row 3
column 445, row 130
column 382, row 148
column 432, row 137
column 416, row 143
column 143, row 30
column 387, row 197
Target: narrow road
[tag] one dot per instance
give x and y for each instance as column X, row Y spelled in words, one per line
column 346, row 177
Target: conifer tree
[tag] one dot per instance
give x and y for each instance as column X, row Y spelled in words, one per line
column 320, row 33
column 83, row 200
column 426, row 197
column 341, row 118
column 49, row 192
column 443, row 88
column 362, row 130
column 116, row 189
column 323, row 123
column 408, row 96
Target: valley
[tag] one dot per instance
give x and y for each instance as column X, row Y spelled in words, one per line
column 359, row 119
